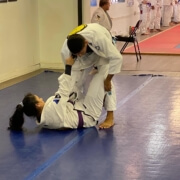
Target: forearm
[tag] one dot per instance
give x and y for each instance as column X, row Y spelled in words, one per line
column 65, row 80
column 68, row 66
column 109, row 77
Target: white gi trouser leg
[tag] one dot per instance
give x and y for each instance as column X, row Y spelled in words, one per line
column 155, row 18
column 110, row 99
column 94, row 98
column 144, row 18
column 80, row 78
column 158, row 18
column 177, row 12
column 148, row 18
column 167, row 14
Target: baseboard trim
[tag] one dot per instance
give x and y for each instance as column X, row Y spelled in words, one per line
column 18, row 72
column 19, row 75
column 52, row 66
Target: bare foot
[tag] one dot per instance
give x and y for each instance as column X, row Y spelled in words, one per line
column 106, row 124
column 109, row 121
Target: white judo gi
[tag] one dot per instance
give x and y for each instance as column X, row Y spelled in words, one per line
column 104, row 52
column 167, row 12
column 102, row 17
column 156, row 14
column 176, row 18
column 59, row 112
column 145, row 9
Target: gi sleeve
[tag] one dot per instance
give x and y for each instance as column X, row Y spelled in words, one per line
column 105, row 48
column 98, row 17
column 55, row 111
column 65, row 85
column 65, row 53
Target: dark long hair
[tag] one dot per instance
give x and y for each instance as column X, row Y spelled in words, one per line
column 28, row 106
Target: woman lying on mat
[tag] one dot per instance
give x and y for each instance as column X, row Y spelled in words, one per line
column 64, row 110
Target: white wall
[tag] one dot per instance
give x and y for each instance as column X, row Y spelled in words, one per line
column 86, row 11
column 56, row 20
column 18, row 38
column 32, row 33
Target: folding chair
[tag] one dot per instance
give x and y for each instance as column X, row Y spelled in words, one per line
column 131, row 38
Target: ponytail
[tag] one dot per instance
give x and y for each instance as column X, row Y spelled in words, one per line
column 16, row 121
column 27, row 107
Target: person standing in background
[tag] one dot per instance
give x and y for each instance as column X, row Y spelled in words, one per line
column 167, row 12
column 176, row 17
column 156, row 8
column 144, row 6
column 101, row 15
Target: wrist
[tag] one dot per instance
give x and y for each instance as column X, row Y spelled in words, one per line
column 68, row 69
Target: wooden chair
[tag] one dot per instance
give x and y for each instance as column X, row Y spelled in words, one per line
column 131, row 38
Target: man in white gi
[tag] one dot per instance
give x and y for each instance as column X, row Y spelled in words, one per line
column 92, row 46
column 101, row 15
column 176, row 15
column 156, row 9
column 145, row 8
column 167, row 12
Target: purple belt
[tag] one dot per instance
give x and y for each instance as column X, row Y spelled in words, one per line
column 80, row 124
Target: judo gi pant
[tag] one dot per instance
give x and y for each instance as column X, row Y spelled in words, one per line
column 167, row 14
column 91, row 89
column 155, row 18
